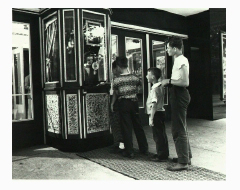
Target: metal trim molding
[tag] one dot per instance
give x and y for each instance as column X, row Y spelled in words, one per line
column 147, row 30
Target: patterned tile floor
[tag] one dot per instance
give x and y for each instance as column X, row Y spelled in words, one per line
column 207, row 139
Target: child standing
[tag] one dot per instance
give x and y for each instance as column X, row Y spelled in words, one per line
column 126, row 86
column 156, row 112
column 118, row 145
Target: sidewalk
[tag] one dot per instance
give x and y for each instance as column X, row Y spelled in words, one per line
column 207, row 140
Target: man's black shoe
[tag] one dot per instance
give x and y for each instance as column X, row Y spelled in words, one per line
column 175, row 160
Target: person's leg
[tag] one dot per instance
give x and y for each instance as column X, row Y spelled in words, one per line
column 138, row 128
column 159, row 135
column 179, row 102
column 126, row 124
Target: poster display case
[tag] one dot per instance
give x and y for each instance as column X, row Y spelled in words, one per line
column 75, row 72
column 223, row 64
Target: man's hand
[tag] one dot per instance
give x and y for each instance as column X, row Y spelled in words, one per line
column 165, row 82
column 151, row 122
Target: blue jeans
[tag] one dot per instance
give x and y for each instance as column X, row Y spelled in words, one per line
column 180, row 99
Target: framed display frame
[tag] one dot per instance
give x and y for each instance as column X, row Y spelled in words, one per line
column 94, row 28
column 223, row 64
column 91, row 25
column 70, row 70
column 50, row 28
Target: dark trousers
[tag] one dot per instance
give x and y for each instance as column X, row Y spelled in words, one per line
column 115, row 125
column 130, row 120
column 180, row 99
column 159, row 134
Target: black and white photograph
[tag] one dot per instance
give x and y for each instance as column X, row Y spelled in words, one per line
column 119, row 94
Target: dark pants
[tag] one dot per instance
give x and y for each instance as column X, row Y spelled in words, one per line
column 159, row 134
column 115, row 125
column 180, row 99
column 130, row 120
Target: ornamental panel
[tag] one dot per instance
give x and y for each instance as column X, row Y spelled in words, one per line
column 53, row 113
column 72, row 113
column 97, row 112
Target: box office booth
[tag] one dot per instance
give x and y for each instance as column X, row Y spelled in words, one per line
column 62, row 74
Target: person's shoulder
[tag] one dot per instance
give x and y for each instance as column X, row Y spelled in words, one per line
column 160, row 88
column 116, row 79
column 183, row 58
column 134, row 76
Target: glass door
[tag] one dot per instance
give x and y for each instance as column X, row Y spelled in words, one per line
column 18, row 84
column 22, row 106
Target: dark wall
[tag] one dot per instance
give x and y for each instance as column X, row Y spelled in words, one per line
column 200, row 66
column 217, row 24
column 151, row 18
column 29, row 133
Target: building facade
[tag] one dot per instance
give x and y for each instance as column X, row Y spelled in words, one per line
column 62, row 71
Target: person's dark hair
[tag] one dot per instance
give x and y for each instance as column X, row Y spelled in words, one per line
column 175, row 42
column 156, row 72
column 122, row 62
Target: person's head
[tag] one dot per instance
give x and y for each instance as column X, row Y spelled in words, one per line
column 160, row 63
column 122, row 63
column 115, row 69
column 153, row 74
column 174, row 46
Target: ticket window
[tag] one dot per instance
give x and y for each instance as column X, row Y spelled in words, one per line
column 95, row 48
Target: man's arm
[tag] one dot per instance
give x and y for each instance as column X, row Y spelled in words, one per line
column 153, row 111
column 183, row 81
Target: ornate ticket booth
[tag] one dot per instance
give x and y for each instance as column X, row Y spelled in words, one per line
column 75, row 53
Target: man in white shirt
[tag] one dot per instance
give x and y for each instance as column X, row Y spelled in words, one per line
column 179, row 99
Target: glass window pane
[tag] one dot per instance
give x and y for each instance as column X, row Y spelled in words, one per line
column 134, row 55
column 95, row 57
column 70, row 69
column 159, row 61
column 114, row 47
column 51, row 49
column 159, row 57
column 21, row 73
column 114, row 51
